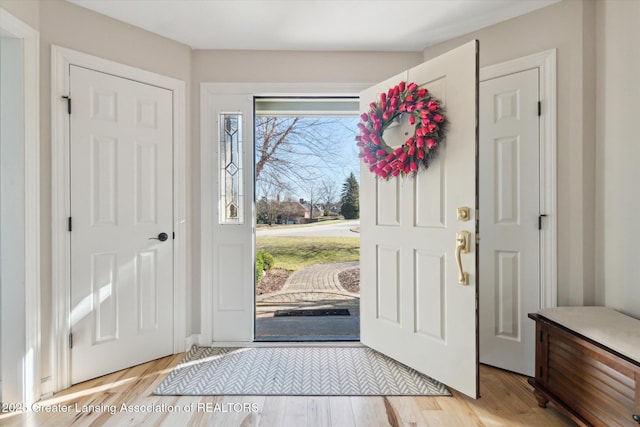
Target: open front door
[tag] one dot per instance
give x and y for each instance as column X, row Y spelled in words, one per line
column 413, row 307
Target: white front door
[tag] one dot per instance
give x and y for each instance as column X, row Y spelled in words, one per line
column 509, row 230
column 121, row 203
column 412, row 306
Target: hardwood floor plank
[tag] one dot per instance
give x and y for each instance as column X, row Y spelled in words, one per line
column 454, row 411
column 318, row 411
column 273, row 411
column 341, row 411
column 507, row 400
column 179, row 416
column 428, row 403
column 236, row 411
column 408, row 410
column 296, row 411
column 369, row 411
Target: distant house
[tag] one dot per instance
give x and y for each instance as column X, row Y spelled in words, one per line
column 317, row 210
column 290, row 212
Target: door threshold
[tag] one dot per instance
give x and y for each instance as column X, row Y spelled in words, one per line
column 250, row 344
column 307, row 338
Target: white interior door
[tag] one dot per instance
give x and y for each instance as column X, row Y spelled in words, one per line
column 412, row 307
column 121, row 202
column 509, row 205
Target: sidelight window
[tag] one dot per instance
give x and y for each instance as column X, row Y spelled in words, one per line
column 231, row 183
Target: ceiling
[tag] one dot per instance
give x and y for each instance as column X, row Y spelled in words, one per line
column 312, row 25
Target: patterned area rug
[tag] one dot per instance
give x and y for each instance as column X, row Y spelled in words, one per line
column 301, row 371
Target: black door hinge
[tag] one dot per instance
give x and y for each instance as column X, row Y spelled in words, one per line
column 540, row 220
column 69, row 224
column 174, row 235
column 70, row 340
column 68, row 103
column 539, row 108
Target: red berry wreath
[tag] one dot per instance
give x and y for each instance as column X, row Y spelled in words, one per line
column 421, row 110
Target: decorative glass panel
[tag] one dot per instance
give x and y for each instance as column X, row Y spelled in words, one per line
column 231, row 183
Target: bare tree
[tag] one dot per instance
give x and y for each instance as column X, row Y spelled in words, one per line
column 269, row 196
column 327, row 193
column 297, row 155
column 294, row 149
column 308, row 191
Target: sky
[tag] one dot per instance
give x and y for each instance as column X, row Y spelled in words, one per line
column 340, row 159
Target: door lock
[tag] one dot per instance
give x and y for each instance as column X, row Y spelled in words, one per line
column 464, row 214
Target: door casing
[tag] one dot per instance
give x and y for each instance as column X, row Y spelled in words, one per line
column 28, row 321
column 61, row 59
column 209, row 192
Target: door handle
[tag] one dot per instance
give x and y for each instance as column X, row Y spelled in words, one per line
column 162, row 237
column 462, row 247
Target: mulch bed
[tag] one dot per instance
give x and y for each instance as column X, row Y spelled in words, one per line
column 350, row 280
column 272, row 281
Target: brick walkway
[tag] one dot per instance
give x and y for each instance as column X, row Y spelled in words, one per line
column 312, row 287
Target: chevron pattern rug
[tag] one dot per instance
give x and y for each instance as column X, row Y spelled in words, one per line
column 300, row 371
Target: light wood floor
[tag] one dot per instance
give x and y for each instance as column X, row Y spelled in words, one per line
column 506, row 400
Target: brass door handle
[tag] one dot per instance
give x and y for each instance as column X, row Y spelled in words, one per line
column 462, row 247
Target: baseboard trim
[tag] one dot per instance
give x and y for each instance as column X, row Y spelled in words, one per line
column 46, row 387
column 192, row 340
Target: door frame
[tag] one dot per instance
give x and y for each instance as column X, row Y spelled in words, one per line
column 209, row 189
column 545, row 63
column 30, row 321
column 61, row 60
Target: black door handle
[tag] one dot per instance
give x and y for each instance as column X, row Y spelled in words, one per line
column 162, row 237
column 636, row 418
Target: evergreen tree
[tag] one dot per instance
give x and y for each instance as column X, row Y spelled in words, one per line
column 350, row 198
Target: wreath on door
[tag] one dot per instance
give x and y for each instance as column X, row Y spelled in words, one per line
column 404, row 101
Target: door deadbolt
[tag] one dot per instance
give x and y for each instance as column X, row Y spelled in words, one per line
column 464, row 214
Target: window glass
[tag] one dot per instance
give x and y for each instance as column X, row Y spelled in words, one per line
column 231, row 183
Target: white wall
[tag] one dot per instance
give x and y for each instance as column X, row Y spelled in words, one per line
column 568, row 26
column 67, row 25
column 12, row 247
column 28, row 11
column 618, row 151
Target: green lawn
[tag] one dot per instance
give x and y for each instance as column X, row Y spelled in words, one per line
column 292, row 253
column 320, row 223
